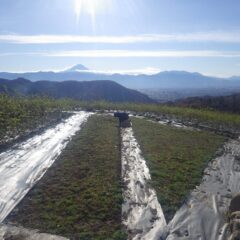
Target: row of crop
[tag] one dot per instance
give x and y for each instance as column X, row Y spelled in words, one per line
column 185, row 112
column 20, row 113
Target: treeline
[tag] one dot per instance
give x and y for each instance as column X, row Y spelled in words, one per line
column 223, row 103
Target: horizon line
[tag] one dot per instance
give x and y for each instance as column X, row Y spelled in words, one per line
column 132, row 72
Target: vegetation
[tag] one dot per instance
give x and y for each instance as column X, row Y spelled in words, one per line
column 80, row 196
column 78, row 90
column 221, row 103
column 19, row 114
column 203, row 114
column 176, row 159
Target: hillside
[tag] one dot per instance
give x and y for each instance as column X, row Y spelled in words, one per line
column 223, row 103
column 166, row 79
column 87, row 91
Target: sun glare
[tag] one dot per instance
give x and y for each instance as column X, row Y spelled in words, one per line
column 91, row 7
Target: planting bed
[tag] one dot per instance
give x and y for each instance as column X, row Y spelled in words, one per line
column 80, row 196
column 176, row 159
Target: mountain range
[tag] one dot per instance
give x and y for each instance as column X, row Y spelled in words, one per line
column 162, row 80
column 88, row 91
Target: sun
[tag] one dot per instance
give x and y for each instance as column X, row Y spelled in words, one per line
column 91, row 7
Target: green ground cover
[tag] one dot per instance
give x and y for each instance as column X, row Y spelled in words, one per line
column 176, row 159
column 80, row 195
column 206, row 115
column 20, row 113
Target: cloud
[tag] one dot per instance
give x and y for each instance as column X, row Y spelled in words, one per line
column 128, row 54
column 220, row 36
column 131, row 54
column 146, row 71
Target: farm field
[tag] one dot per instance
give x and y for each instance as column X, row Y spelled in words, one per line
column 191, row 114
column 176, row 159
column 21, row 117
column 80, row 195
column 18, row 114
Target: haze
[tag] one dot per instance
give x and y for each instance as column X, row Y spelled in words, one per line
column 111, row 35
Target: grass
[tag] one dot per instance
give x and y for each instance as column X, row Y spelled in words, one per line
column 205, row 115
column 28, row 112
column 80, row 196
column 19, row 115
column 176, row 159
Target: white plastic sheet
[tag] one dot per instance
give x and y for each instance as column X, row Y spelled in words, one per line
column 142, row 213
column 204, row 215
column 23, row 165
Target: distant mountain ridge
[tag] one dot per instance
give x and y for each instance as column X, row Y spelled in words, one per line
column 87, row 91
column 167, row 79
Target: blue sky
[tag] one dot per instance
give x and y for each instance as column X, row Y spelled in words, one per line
column 121, row 35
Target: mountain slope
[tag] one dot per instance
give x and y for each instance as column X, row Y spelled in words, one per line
column 222, row 103
column 89, row 91
column 167, row 79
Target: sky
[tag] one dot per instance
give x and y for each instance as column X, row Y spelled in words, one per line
column 121, row 35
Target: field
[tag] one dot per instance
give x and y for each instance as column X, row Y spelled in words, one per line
column 18, row 114
column 176, row 159
column 205, row 115
column 80, row 196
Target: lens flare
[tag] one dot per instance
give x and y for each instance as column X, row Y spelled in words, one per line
column 78, row 8
column 90, row 7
